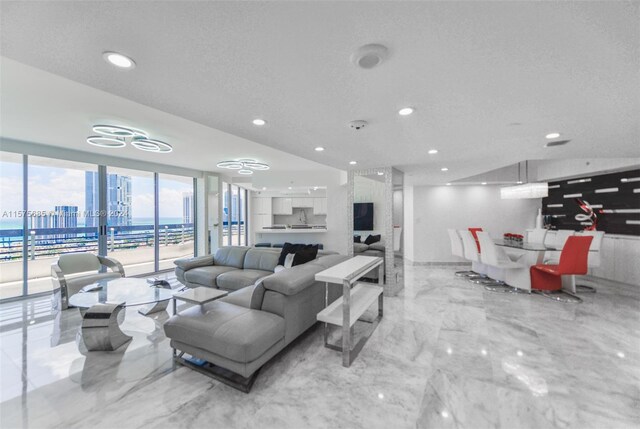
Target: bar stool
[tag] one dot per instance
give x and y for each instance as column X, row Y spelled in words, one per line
column 594, row 255
column 546, row 278
column 458, row 250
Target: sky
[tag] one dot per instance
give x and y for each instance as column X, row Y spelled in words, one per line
column 52, row 186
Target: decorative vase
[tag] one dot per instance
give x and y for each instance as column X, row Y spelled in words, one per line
column 539, row 219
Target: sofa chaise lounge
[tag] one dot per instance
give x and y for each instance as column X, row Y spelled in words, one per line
column 239, row 333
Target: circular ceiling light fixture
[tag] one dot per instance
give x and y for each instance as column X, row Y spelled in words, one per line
column 259, row 122
column 246, row 166
column 150, row 145
column 119, row 60
column 115, row 136
column 319, row 149
column 118, row 131
column 552, row 136
column 406, row 111
column 370, row 56
column 444, row 169
column 103, row 141
column 433, row 151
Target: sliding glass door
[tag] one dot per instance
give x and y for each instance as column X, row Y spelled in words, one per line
column 130, row 219
column 176, row 219
column 234, row 212
column 12, row 239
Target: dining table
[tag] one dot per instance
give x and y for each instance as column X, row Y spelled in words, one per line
column 529, row 254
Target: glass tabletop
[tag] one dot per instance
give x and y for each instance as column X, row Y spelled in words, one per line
column 535, row 247
column 131, row 291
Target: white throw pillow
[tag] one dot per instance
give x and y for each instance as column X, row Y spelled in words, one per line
column 288, row 261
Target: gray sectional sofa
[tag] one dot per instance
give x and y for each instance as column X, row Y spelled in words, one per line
column 239, row 333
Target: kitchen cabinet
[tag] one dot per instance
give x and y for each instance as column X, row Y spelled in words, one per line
column 282, row 206
column 319, row 206
column 261, row 206
column 302, row 202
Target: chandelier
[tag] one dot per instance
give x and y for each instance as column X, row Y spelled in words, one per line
column 115, row 136
column 244, row 166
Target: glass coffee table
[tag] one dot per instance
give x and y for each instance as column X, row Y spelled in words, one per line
column 101, row 306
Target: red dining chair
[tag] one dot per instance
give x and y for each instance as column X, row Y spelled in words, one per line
column 573, row 261
column 474, row 231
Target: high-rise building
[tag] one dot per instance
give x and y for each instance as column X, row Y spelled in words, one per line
column 187, row 207
column 118, row 199
column 65, row 217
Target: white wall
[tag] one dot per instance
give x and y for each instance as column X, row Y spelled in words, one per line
column 437, row 208
column 408, row 235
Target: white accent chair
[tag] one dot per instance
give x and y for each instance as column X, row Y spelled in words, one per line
column 74, row 271
column 458, row 250
column 594, row 255
column 500, row 267
column 471, row 253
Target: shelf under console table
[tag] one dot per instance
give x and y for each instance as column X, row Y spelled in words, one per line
column 356, row 298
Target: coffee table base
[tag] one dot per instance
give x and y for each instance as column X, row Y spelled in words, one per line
column 100, row 330
column 154, row 308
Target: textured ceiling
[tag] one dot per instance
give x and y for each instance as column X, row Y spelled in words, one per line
column 488, row 79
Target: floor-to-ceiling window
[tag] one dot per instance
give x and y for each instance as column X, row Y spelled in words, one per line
column 176, row 219
column 59, row 220
column 234, row 215
column 130, row 219
column 51, row 207
column 11, row 225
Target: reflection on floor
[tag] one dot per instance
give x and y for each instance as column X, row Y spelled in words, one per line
column 446, row 354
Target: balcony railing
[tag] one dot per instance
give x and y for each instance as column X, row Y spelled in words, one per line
column 47, row 242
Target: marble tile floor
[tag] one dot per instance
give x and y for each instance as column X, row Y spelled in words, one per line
column 447, row 354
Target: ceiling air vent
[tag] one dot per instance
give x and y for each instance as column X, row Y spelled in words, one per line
column 557, row 143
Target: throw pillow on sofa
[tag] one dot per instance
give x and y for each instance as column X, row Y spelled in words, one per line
column 288, row 248
column 305, row 255
column 356, row 239
column 372, row 239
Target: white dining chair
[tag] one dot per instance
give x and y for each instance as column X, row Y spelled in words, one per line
column 561, row 236
column 500, row 267
column 594, row 256
column 471, row 253
column 536, row 235
column 458, row 250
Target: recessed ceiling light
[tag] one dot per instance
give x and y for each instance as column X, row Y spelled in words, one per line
column 319, row 149
column 290, row 188
column 519, row 182
column 264, row 188
column 444, row 169
column 553, row 135
column 119, row 60
column 259, row 122
column 483, row 183
column 380, row 173
column 353, row 162
column 433, row 151
column 369, row 56
column 405, row 111
column 448, row 184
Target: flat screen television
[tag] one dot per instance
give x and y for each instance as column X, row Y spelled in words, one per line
column 363, row 216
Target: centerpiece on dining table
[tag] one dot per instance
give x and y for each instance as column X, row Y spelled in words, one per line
column 513, row 239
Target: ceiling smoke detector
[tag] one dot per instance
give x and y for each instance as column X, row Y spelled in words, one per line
column 358, row 125
column 369, row 56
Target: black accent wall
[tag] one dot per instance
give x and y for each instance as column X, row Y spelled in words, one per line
column 614, row 199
